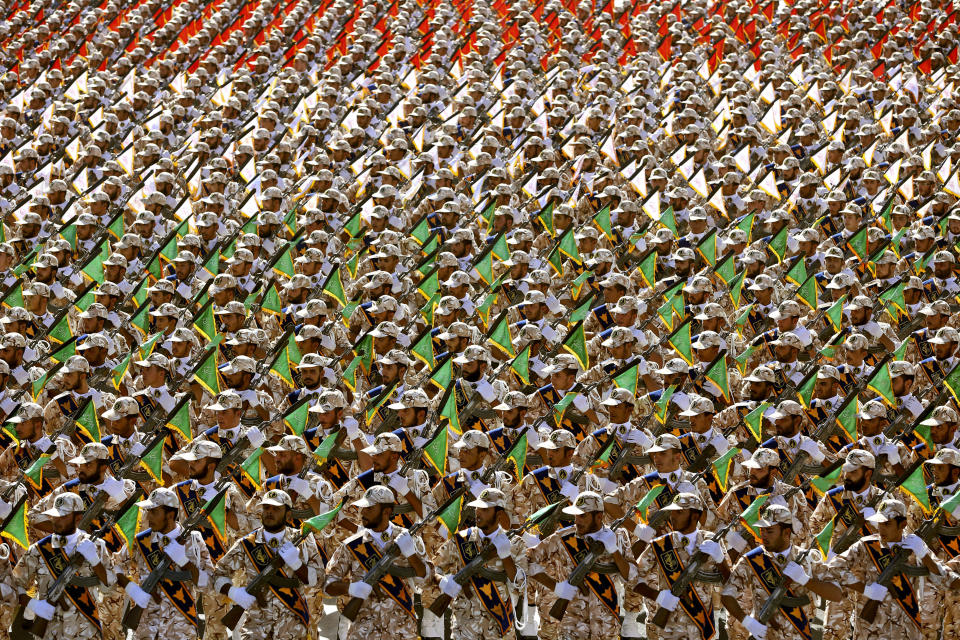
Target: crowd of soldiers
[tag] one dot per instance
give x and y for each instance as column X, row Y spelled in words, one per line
column 557, row 319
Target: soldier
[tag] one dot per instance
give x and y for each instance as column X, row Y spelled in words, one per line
column 594, row 606
column 31, row 443
column 472, row 450
column 170, row 611
column 620, row 406
column 388, row 606
column 859, row 567
column 762, row 569
column 662, row 563
column 312, row 491
column 279, row 610
column 75, row 614
column 484, row 610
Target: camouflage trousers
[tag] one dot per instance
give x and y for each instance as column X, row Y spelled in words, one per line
column 838, row 620
column 160, row 621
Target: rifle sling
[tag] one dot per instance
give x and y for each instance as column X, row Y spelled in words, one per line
column 942, row 530
column 84, row 581
column 493, row 576
column 401, row 572
column 284, row 582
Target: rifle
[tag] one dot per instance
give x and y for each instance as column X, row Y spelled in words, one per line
column 778, row 597
column 472, row 568
column 585, row 566
column 259, row 582
column 689, row 575
column 616, row 468
column 391, row 552
column 23, row 629
column 131, row 617
column 852, row 533
column 898, row 565
column 549, row 523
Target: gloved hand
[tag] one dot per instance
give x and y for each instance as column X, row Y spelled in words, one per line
column 41, row 608
column 639, row 438
column 5, row 509
column 114, row 487
column 43, row 444
column 88, row 550
column 891, row 451
column 241, row 597
column 140, row 597
column 136, row 450
column 399, row 484
column 667, row 600
column 867, row 512
column 581, row 403
column 876, row 591
column 501, row 543
column 177, row 553
column 531, row 540
column 712, row 548
column 406, row 544
column 255, row 437
column 359, row 590
column 352, row 427
column 607, row 538
column 812, row 449
column 486, row 391
column 796, row 573
column 645, row 532
column 736, row 541
column 290, row 555
column 301, row 486
column 565, row 590
column 449, row 587
column 569, row 491
column 754, row 628
column 915, row 543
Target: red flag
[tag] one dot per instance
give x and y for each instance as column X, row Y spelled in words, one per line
column 879, row 70
column 664, row 47
column 629, row 51
column 926, row 66
column 952, row 56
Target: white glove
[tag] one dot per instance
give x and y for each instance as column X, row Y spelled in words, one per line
column 812, row 449
column 531, row 540
column 449, row 587
column 875, row 591
column 241, row 597
column 892, row 452
column 915, row 543
column 645, row 532
column 352, row 427
column 867, row 512
column 114, row 488
column 565, row 590
column 255, row 437
column 667, row 600
column 569, row 491
column 5, row 509
column 290, row 555
column 399, row 484
column 796, row 573
column 176, row 552
column 41, row 608
column 485, row 389
column 638, row 437
column 736, row 541
column 301, row 486
column 136, row 450
column 406, row 544
column 88, row 550
column 607, row 538
column 712, row 548
column 501, row 543
column 43, row 444
column 359, row 590
column 754, row 628
column 581, row 403
column 140, row 597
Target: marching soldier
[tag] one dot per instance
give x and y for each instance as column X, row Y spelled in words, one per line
column 897, row 600
column 170, row 611
column 594, row 606
column 763, row 569
column 279, row 610
column 75, row 614
column 662, row 563
column 388, row 606
column 482, row 608
column 473, row 455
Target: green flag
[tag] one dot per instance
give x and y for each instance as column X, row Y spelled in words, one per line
column 284, row 264
column 94, row 267
column 500, row 336
column 751, row 514
column 824, row 538
column 662, row 405
column 643, row 506
column 835, row 313
column 628, row 379
column 61, row 332
column 207, row 375
column 568, row 246
column 448, row 410
column 325, row 448
column 648, row 268
column 807, row 293
column 436, row 450
column 881, row 384
column 603, row 223
column 754, row 421
column 797, row 274
column 545, row 218
column 296, row 418
column 16, row 528
column 333, row 287
column 680, row 341
column 88, row 423
column 450, row 517
column 422, row 348
column 580, row 313
column 916, row 487
column 736, row 288
column 500, row 250
column 127, row 525
column 778, row 244
column 722, row 467
column 746, row 225
column 576, row 344
column 180, row 422
column 206, row 323
column 717, row 374
column 14, row 297
column 442, row 374
column 430, row 285
column 858, row 243
column 521, row 365
column 707, row 248
column 318, row 523
column 805, row 389
column 518, row 456
column 34, row 473
column 726, row 269
column 152, row 460
column 847, row 418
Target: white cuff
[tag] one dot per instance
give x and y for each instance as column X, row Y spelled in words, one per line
column 565, row 590
column 450, row 587
column 140, row 597
column 359, row 590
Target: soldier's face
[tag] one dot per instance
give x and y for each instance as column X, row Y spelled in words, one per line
column 65, row 525
column 665, row 461
column 588, row 522
column 943, row 474
column 273, row 517
column 287, row 462
column 470, row 457
column 890, row 531
column 157, row 518
column 760, row 477
column 486, row 517
column 855, row 480
column 381, row 461
column 775, row 538
column 682, row 520
column 89, row 471
column 372, row 517
column 620, row 413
